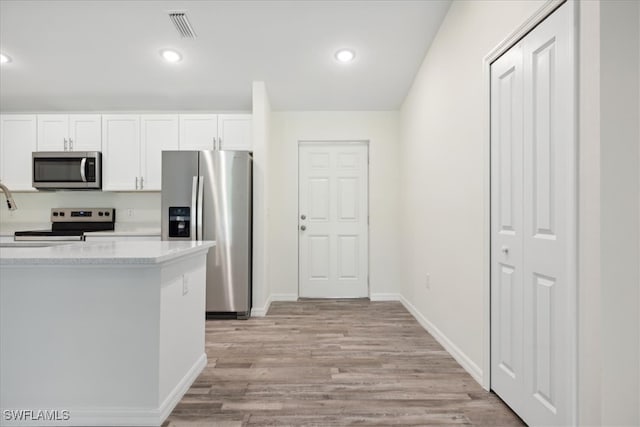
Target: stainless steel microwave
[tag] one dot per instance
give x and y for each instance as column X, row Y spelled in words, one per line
column 67, row 170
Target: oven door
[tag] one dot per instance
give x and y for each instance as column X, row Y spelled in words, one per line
column 65, row 170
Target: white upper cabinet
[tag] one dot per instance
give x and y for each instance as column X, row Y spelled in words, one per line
column 53, row 132
column 132, row 150
column 85, row 132
column 121, row 152
column 77, row 132
column 159, row 132
column 198, row 131
column 215, row 132
column 17, row 142
column 234, row 132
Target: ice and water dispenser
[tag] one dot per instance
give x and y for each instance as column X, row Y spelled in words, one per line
column 179, row 222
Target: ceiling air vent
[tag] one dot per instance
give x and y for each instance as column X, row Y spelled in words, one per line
column 182, row 24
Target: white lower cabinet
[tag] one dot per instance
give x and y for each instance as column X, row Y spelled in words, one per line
column 17, row 141
column 133, row 146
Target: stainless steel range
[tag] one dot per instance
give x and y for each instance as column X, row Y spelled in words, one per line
column 70, row 224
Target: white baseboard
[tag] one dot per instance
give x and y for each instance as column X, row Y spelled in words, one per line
column 469, row 365
column 181, row 388
column 284, row 297
column 262, row 311
column 385, row 297
column 125, row 416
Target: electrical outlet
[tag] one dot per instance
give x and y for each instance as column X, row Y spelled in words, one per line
column 427, row 282
column 130, row 213
column 185, row 284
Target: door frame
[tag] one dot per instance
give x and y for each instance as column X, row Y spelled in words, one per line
column 333, row 142
column 572, row 269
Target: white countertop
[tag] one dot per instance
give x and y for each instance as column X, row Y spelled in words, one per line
column 102, row 253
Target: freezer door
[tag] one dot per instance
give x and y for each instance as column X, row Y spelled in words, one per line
column 226, row 183
column 178, row 209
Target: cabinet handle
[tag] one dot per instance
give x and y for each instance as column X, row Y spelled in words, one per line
column 142, row 182
column 65, row 144
column 70, row 144
column 219, row 143
column 136, row 182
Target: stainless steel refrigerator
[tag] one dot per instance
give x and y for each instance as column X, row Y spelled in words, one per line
column 206, row 195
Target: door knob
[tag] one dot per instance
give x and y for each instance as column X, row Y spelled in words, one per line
column 303, row 227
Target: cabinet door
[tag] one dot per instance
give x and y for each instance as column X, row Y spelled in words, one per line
column 17, row 142
column 85, row 132
column 53, row 132
column 234, row 131
column 121, row 152
column 198, row 131
column 159, row 132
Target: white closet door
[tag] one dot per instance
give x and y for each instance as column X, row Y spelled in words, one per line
column 507, row 376
column 533, row 252
column 549, row 218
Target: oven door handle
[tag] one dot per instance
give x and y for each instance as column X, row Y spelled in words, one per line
column 83, row 166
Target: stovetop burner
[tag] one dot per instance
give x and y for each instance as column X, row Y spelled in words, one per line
column 71, row 224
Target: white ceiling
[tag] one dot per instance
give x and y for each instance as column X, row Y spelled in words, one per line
column 104, row 55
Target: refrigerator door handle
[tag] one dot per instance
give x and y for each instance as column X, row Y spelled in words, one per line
column 199, row 235
column 194, row 207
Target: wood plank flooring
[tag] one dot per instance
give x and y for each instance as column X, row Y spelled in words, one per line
column 332, row 363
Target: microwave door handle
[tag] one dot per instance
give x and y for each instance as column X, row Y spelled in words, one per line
column 83, row 166
column 199, row 224
column 194, row 207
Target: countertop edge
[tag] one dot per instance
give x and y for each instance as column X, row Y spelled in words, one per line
column 110, row 260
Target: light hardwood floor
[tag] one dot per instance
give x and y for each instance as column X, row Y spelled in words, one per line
column 329, row 363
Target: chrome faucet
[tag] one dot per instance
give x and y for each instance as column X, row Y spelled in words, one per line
column 10, row 202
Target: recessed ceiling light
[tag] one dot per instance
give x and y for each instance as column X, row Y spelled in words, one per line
column 4, row 58
column 345, row 55
column 171, row 55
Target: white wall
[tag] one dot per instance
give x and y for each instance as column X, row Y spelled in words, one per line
column 381, row 130
column 261, row 126
column 589, row 235
column 443, row 200
column 620, row 193
column 35, row 208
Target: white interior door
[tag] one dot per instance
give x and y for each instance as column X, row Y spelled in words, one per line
column 533, row 264
column 333, row 220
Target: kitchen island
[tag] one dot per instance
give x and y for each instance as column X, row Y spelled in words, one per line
column 100, row 334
